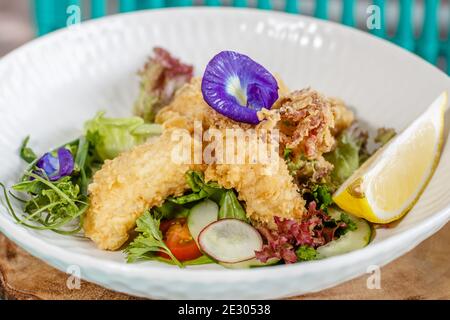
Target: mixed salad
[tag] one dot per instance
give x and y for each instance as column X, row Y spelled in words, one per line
column 117, row 185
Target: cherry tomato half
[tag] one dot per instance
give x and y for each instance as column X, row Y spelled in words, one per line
column 179, row 240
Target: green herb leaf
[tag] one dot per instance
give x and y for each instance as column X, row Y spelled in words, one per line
column 322, row 196
column 59, row 205
column 26, row 153
column 29, row 186
column 306, row 253
column 53, row 205
column 149, row 241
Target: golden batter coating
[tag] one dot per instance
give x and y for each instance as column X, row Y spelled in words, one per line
column 128, row 185
column 146, row 175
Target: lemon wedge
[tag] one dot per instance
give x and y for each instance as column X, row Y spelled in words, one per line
column 388, row 184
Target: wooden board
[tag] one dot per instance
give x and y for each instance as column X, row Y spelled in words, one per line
column 423, row 273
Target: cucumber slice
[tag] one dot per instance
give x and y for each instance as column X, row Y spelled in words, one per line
column 350, row 241
column 251, row 263
column 230, row 241
column 201, row 215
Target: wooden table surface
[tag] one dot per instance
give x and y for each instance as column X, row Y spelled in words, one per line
column 423, row 273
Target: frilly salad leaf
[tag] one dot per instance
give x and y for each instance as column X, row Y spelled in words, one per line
column 111, row 136
column 345, row 159
column 322, row 196
column 161, row 77
column 229, row 205
column 306, row 253
column 350, row 225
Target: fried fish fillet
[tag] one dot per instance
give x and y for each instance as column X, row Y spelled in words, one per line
column 265, row 195
column 142, row 177
column 146, row 175
column 267, row 189
column 128, row 185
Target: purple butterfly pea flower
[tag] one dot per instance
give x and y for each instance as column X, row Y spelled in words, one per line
column 56, row 167
column 238, row 87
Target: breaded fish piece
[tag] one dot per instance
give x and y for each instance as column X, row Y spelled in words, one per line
column 146, row 175
column 128, row 185
column 266, row 186
column 265, row 196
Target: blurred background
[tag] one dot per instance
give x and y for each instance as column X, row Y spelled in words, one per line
column 421, row 26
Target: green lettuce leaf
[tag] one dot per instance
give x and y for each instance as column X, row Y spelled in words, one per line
column 200, row 189
column 351, row 151
column 349, row 154
column 111, row 136
column 229, row 207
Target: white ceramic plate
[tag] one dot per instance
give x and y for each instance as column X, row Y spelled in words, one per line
column 50, row 86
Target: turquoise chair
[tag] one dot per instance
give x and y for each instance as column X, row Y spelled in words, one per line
column 51, row 15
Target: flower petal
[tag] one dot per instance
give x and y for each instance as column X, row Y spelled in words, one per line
column 48, row 163
column 58, row 166
column 66, row 163
column 238, row 87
